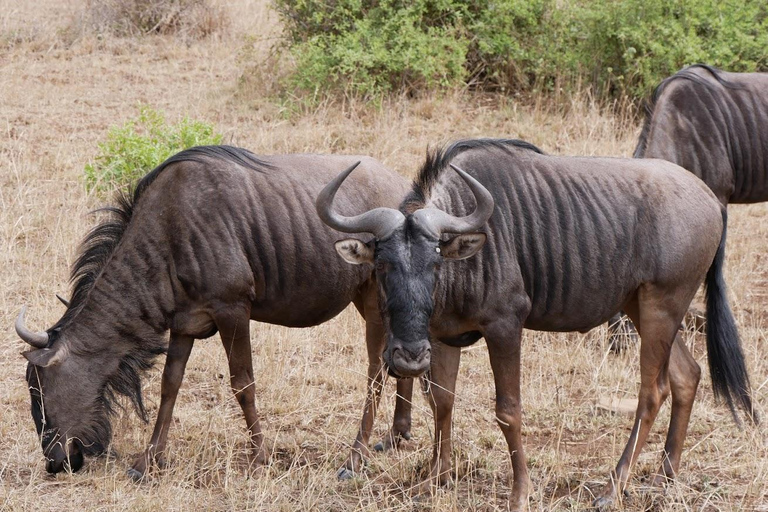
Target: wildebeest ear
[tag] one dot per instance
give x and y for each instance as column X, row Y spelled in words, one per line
column 462, row 246
column 45, row 357
column 354, row 251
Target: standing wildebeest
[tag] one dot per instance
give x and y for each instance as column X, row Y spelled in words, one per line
column 715, row 125
column 212, row 238
column 570, row 241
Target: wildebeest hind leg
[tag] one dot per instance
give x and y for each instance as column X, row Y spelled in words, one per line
column 684, row 375
column 401, row 423
column 235, row 336
column 503, row 341
column 179, row 349
column 657, row 324
column 440, row 388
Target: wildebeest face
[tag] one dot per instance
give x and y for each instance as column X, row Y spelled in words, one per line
column 407, row 265
column 66, row 407
column 407, row 252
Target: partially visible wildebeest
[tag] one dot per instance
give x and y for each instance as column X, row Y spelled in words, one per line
column 568, row 242
column 212, row 238
column 715, row 125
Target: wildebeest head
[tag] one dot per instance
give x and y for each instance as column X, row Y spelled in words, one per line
column 69, row 411
column 407, row 251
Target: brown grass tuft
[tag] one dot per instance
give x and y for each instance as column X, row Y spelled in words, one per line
column 194, row 19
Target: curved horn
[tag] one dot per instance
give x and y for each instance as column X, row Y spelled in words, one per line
column 380, row 221
column 36, row 339
column 441, row 222
column 63, row 300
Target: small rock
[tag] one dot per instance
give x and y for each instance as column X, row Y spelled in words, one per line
column 613, row 405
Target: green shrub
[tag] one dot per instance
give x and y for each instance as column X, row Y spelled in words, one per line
column 615, row 47
column 392, row 45
column 132, row 150
column 634, row 44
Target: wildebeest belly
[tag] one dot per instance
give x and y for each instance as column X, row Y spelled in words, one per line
column 758, row 193
column 592, row 311
column 302, row 311
column 305, row 295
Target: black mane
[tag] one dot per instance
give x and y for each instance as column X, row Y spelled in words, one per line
column 96, row 250
column 100, row 243
column 437, row 161
column 685, row 74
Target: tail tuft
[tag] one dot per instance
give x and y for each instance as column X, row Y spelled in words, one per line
column 727, row 369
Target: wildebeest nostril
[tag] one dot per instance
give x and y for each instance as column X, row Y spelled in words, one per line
column 420, row 352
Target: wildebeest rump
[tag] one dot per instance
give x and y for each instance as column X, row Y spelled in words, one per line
column 212, row 238
column 570, row 241
column 715, row 125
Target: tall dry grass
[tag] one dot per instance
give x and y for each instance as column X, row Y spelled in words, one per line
column 59, row 99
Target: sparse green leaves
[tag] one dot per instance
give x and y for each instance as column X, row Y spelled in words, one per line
column 139, row 145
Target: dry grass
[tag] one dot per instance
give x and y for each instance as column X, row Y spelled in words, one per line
column 193, row 19
column 58, row 100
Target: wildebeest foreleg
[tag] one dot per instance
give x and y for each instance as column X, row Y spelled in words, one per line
column 657, row 327
column 684, row 375
column 503, row 340
column 440, row 387
column 235, row 335
column 374, row 336
column 179, row 349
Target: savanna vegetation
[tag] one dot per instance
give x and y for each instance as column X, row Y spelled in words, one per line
column 614, row 48
column 93, row 94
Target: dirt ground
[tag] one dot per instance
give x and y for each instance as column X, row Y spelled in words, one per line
column 60, row 93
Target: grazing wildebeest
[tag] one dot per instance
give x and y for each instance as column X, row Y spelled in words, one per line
column 212, row 238
column 568, row 243
column 715, row 125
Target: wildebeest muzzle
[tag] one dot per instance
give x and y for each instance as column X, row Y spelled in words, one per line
column 58, row 459
column 406, row 360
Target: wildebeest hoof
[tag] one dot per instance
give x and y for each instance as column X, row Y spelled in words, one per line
column 602, row 503
column 136, row 475
column 344, row 474
column 379, row 447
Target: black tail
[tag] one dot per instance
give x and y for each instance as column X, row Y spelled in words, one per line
column 726, row 360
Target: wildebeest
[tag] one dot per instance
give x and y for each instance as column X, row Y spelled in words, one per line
column 715, row 125
column 568, row 242
column 212, row 238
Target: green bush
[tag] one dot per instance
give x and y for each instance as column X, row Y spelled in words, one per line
column 137, row 147
column 384, row 46
column 616, row 47
column 634, row 44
